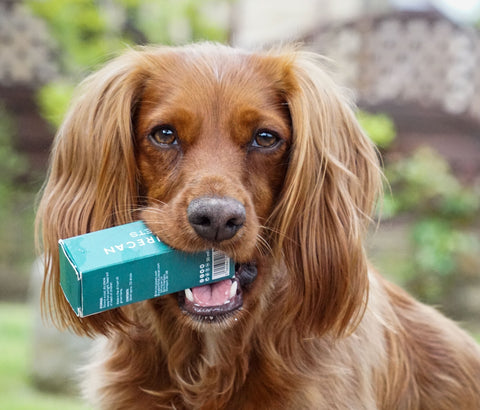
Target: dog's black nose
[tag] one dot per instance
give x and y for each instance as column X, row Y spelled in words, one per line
column 216, row 219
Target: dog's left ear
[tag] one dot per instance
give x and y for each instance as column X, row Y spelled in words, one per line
column 329, row 193
column 92, row 181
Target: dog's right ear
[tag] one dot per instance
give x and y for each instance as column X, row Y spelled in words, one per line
column 330, row 189
column 92, row 179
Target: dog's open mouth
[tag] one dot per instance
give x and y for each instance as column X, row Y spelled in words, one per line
column 218, row 300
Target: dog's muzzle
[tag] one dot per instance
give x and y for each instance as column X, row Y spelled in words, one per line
column 217, row 219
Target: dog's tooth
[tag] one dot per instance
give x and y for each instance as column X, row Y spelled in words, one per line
column 211, row 317
column 233, row 289
column 189, row 294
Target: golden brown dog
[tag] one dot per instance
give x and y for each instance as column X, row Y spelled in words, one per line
column 258, row 155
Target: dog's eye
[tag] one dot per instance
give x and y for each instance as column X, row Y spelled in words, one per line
column 163, row 135
column 265, row 139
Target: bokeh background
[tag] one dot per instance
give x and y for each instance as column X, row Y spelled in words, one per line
column 414, row 68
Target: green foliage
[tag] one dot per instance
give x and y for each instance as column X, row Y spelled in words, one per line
column 171, row 22
column 424, row 183
column 85, row 32
column 90, row 32
column 439, row 245
column 379, row 127
column 12, row 164
column 16, row 213
column 442, row 209
column 53, row 100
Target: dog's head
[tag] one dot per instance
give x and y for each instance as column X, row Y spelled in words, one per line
column 257, row 155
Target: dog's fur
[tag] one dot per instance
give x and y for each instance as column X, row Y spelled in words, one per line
column 318, row 328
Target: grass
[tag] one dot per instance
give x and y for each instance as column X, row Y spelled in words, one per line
column 16, row 389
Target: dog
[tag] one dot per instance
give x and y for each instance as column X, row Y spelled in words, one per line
column 257, row 155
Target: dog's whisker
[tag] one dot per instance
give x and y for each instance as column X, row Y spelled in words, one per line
column 121, row 212
column 279, row 234
column 263, row 246
column 151, row 200
column 153, row 211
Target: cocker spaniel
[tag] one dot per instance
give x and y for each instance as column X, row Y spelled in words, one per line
column 259, row 155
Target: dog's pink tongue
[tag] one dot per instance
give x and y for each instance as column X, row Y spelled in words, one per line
column 215, row 294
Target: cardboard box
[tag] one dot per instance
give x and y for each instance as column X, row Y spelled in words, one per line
column 117, row 266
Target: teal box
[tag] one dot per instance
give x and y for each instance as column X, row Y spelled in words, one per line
column 117, row 266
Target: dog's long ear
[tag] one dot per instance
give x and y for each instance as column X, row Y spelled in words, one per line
column 329, row 193
column 92, row 178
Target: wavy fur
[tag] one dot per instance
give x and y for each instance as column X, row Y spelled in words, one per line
column 317, row 330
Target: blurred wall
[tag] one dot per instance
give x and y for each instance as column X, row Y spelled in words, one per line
column 268, row 21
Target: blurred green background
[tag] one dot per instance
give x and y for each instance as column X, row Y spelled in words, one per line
column 427, row 239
